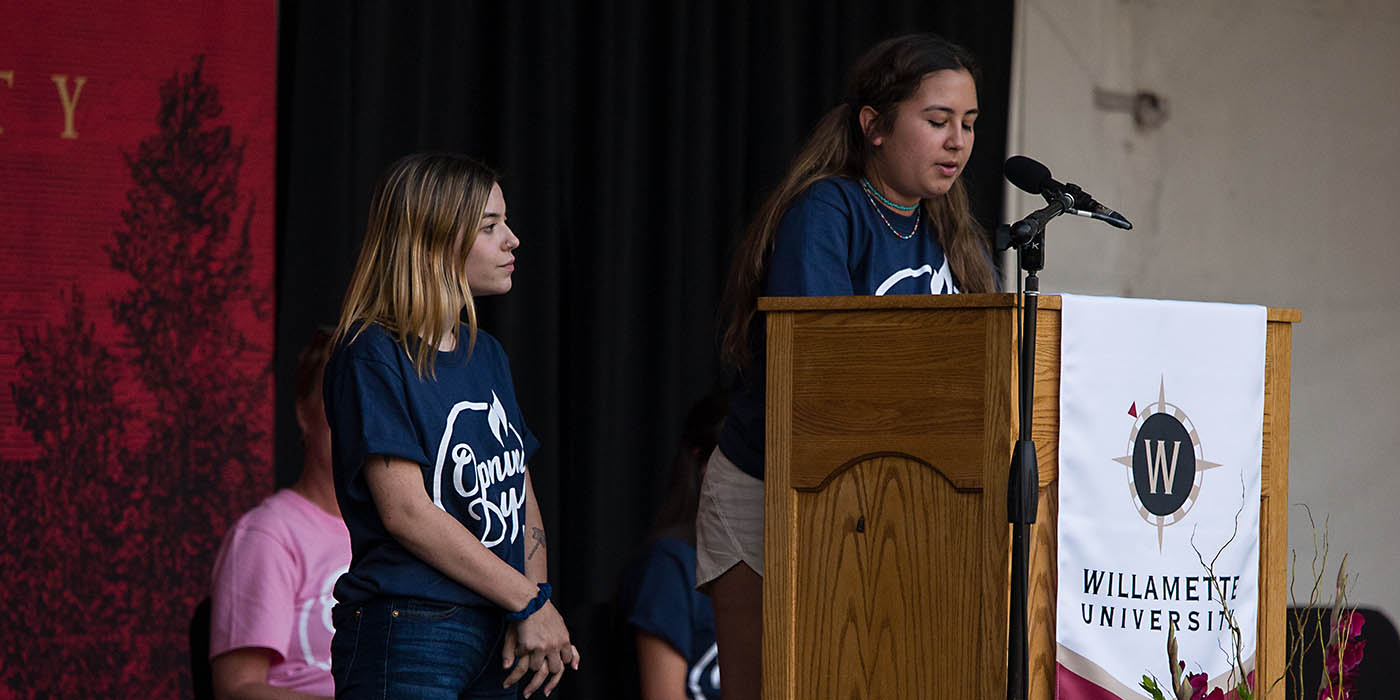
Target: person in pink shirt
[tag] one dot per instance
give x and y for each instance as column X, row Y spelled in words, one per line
column 270, row 624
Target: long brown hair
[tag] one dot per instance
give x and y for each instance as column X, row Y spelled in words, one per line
column 410, row 277
column 889, row 73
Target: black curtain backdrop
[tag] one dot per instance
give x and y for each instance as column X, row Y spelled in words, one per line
column 635, row 139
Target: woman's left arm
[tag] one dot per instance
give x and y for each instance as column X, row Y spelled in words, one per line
column 537, row 570
column 536, row 550
column 661, row 669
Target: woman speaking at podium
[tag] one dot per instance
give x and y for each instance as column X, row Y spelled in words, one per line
column 871, row 205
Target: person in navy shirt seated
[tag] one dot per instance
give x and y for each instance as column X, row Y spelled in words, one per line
column 873, row 204
column 430, row 454
column 672, row 625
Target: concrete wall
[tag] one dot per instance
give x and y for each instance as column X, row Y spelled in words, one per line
column 1274, row 180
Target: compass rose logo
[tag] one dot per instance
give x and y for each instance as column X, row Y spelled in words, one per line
column 1164, row 462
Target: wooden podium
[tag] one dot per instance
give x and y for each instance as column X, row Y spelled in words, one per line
column 890, row 425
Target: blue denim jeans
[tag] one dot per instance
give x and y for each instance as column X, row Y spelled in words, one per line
column 410, row 648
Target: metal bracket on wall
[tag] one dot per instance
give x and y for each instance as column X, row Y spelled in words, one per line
column 1149, row 110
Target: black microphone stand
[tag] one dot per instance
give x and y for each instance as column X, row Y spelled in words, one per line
column 1027, row 236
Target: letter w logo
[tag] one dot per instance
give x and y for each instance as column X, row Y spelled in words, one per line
column 1157, row 465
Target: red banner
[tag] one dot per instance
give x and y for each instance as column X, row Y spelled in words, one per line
column 136, row 291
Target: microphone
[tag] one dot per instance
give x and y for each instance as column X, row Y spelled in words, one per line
column 1029, row 175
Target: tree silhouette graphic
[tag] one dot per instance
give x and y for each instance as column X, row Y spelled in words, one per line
column 191, row 267
column 124, row 528
column 66, row 390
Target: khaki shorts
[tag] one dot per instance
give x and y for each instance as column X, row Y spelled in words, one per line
column 728, row 522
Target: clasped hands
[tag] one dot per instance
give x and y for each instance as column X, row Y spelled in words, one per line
column 538, row 644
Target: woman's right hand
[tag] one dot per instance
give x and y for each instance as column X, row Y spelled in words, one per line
column 539, row 643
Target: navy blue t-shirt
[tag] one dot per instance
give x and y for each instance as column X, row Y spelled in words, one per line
column 464, row 430
column 831, row 242
column 658, row 596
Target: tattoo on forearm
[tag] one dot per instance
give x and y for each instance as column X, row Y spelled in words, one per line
column 386, row 462
column 536, row 534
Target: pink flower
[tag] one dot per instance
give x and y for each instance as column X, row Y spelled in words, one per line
column 1198, row 684
column 1351, row 658
column 1342, row 657
column 1198, row 688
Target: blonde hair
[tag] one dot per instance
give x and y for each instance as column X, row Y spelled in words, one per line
column 410, row 277
column 889, row 73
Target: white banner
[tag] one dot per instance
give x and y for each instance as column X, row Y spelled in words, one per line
column 1161, row 433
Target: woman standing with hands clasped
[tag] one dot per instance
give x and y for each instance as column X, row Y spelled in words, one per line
column 446, row 596
column 872, row 205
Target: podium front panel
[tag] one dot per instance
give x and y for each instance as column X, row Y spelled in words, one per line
column 882, row 425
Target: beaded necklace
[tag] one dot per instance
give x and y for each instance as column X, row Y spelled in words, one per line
column 870, row 189
column 901, row 236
